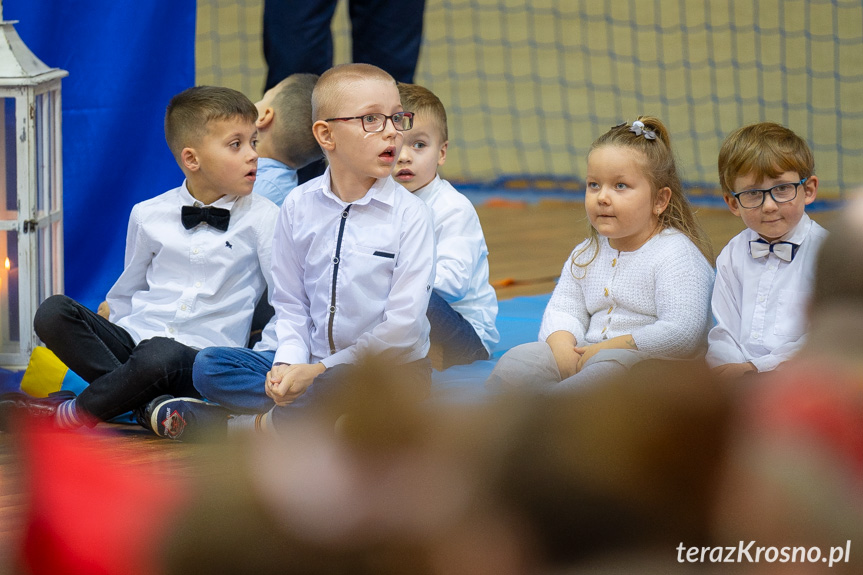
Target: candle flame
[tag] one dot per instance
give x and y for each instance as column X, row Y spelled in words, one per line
column 7, row 264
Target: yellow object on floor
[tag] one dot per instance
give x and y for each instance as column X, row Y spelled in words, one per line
column 45, row 373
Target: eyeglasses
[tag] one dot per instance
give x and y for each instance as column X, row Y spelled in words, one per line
column 781, row 193
column 402, row 121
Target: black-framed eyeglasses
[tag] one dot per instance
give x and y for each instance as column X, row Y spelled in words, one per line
column 780, row 193
column 402, row 121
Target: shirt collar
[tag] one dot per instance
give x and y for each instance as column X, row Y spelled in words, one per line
column 382, row 191
column 187, row 199
column 795, row 235
column 267, row 163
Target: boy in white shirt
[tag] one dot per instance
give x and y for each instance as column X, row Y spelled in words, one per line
column 197, row 261
column 764, row 275
column 353, row 268
column 463, row 306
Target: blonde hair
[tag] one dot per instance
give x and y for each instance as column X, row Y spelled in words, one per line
column 333, row 87
column 764, row 150
column 420, row 100
column 661, row 170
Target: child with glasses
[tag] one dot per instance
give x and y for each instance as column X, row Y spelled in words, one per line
column 765, row 273
column 353, row 269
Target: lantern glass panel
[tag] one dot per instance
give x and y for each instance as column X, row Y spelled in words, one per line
column 9, row 292
column 8, row 162
column 49, row 258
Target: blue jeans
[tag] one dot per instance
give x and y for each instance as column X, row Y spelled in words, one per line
column 235, row 378
column 459, row 340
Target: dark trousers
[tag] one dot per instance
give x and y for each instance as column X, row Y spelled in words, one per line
column 459, row 340
column 122, row 375
column 298, row 36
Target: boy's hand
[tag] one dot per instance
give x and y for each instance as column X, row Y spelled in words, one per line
column 734, row 370
column 285, row 383
column 565, row 353
column 104, row 310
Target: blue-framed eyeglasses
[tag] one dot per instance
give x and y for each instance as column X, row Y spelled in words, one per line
column 781, row 193
column 402, row 121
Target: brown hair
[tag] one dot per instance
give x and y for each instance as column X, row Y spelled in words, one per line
column 189, row 113
column 765, row 150
column 292, row 122
column 661, row 170
column 420, row 100
column 334, row 84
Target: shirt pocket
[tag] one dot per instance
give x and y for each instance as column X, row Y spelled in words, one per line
column 374, row 268
column 791, row 313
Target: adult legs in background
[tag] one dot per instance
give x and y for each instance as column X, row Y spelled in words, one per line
column 453, row 335
column 234, row 378
column 297, row 37
column 388, row 34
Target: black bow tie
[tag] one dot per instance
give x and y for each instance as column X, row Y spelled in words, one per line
column 216, row 217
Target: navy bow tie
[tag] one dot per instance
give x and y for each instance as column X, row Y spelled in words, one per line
column 784, row 250
column 216, row 217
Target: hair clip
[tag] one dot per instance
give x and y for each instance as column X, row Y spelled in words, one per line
column 638, row 129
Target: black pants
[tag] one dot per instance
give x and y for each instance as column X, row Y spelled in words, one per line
column 122, row 375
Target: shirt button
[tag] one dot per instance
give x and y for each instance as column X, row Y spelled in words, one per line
column 344, row 214
column 194, row 251
column 756, row 335
column 332, row 309
column 183, row 307
column 170, row 330
column 197, row 284
column 335, row 260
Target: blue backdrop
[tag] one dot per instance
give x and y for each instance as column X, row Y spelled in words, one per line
column 125, row 61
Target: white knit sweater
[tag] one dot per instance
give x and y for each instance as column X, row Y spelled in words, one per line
column 659, row 294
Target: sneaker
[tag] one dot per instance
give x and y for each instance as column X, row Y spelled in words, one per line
column 15, row 406
column 186, row 418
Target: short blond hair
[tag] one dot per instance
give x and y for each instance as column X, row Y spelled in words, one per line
column 764, row 150
column 420, row 100
column 332, row 88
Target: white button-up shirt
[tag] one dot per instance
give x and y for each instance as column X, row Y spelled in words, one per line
column 759, row 304
column 196, row 286
column 352, row 279
column 461, row 271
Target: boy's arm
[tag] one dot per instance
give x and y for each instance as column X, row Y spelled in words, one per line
column 459, row 247
column 293, row 320
column 722, row 345
column 400, row 333
column 266, row 231
column 137, row 261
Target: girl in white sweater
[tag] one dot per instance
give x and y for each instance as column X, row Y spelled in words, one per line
column 639, row 286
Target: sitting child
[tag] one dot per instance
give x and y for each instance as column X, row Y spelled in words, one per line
column 353, row 268
column 197, row 261
column 463, row 305
column 764, row 275
column 285, row 139
column 638, row 287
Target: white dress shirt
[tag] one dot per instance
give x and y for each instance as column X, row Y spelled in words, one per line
column 461, row 270
column 659, row 294
column 352, row 279
column 196, row 286
column 759, row 304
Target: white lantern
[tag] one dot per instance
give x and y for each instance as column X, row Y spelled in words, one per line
column 31, row 192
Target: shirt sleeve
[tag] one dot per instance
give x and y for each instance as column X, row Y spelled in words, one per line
column 137, row 261
column 459, row 249
column 683, row 283
column 722, row 344
column 404, row 328
column 293, row 321
column 566, row 310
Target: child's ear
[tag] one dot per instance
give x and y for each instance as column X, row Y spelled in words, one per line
column 810, row 189
column 663, row 196
column 442, row 157
column 323, row 135
column 732, row 203
column 189, row 158
column 265, row 118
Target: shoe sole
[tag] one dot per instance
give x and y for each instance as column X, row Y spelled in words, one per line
column 154, row 415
